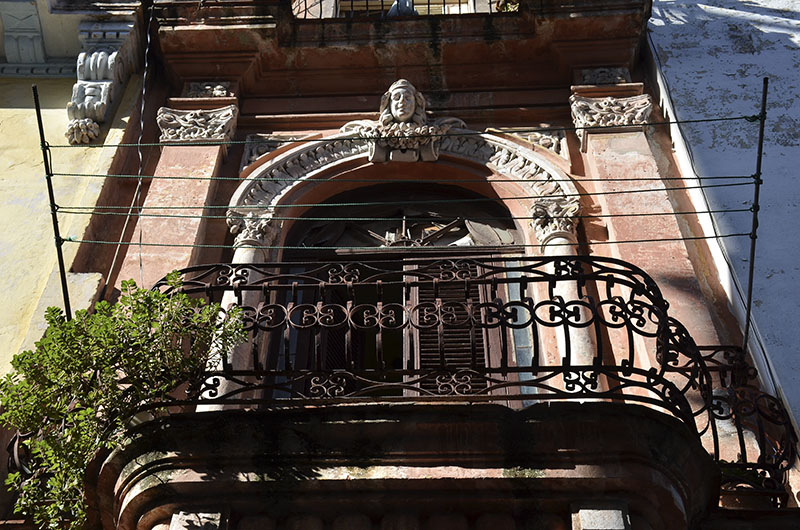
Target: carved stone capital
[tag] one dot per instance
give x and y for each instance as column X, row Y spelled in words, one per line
column 103, row 67
column 197, row 125
column 609, row 112
column 402, row 132
column 253, row 230
column 555, row 217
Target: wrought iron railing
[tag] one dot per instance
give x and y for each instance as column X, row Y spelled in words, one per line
column 320, row 9
column 516, row 331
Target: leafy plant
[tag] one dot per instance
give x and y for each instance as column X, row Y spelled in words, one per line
column 87, row 378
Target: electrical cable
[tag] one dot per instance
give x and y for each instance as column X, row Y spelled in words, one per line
column 410, row 202
column 440, row 218
column 465, row 133
column 135, row 201
column 398, row 181
column 373, row 248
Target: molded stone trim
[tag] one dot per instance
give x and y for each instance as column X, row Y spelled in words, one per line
column 402, row 133
column 253, row 205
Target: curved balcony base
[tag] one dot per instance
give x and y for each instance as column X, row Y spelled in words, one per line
column 467, row 461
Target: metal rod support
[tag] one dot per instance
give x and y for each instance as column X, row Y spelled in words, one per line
column 762, row 119
column 48, row 175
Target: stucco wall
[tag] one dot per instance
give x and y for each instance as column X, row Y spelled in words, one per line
column 712, row 57
column 30, row 280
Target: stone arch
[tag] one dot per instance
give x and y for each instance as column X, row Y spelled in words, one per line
column 554, row 203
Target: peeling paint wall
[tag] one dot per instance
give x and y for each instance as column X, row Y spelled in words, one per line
column 712, row 57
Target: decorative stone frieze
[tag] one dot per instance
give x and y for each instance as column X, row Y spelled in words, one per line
column 402, row 132
column 604, row 76
column 553, row 140
column 22, row 33
column 103, row 67
column 555, row 217
column 609, row 112
column 207, row 89
column 257, row 145
column 197, row 125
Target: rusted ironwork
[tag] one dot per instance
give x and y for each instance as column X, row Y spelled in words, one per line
column 490, row 330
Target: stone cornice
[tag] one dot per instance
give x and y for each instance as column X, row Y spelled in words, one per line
column 197, row 125
column 609, row 112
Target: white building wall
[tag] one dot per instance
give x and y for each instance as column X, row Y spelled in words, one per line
column 712, row 57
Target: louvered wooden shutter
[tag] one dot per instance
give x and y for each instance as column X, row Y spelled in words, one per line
column 446, row 348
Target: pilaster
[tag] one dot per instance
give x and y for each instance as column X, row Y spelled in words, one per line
column 182, row 184
column 628, row 179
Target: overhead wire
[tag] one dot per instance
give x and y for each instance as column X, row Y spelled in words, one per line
column 463, row 133
column 373, row 248
column 407, row 202
column 440, row 218
column 395, row 181
column 136, row 200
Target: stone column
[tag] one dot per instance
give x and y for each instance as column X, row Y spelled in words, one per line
column 555, row 223
column 183, row 128
column 624, row 151
column 253, row 234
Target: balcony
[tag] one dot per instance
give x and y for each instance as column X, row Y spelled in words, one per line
column 516, row 332
column 479, row 386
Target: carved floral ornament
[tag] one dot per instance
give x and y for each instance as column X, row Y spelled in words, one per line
column 609, row 112
column 197, row 125
column 403, row 133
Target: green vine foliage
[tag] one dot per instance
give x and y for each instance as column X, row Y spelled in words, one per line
column 77, row 392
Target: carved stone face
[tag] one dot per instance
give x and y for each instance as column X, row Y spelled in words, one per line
column 402, row 104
